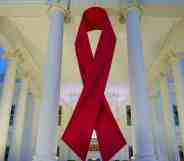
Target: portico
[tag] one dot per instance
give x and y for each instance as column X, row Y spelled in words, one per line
column 146, row 75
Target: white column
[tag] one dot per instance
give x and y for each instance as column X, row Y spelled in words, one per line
column 179, row 90
column 154, row 123
column 20, row 119
column 47, row 126
column 12, row 129
column 138, row 88
column 5, row 108
column 170, row 137
column 64, row 152
column 158, row 127
column 26, row 147
column 160, row 123
column 36, row 111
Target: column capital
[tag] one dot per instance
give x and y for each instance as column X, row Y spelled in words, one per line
column 57, row 7
column 173, row 58
column 14, row 54
column 61, row 8
column 6, row 102
column 134, row 5
column 162, row 74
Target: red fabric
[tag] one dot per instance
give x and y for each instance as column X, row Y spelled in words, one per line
column 92, row 110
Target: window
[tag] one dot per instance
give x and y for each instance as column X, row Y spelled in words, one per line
column 181, row 155
column 176, row 117
column 59, row 115
column 130, row 151
column 128, row 115
column 6, row 153
column 12, row 115
column 58, row 151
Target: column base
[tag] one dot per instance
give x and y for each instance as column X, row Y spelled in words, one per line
column 44, row 158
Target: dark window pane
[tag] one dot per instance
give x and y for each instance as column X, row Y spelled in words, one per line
column 176, row 117
column 128, row 115
column 12, row 115
column 130, row 151
column 59, row 115
column 6, row 153
column 58, row 151
column 181, row 155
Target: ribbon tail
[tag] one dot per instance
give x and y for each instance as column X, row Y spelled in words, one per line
column 109, row 135
column 71, row 138
column 92, row 110
column 78, row 133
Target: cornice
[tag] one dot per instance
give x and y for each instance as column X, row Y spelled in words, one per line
column 37, row 8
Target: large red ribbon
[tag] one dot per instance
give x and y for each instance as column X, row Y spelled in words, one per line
column 92, row 111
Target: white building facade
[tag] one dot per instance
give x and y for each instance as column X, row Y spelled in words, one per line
column 40, row 81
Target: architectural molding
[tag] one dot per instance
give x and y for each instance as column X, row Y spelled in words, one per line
column 161, row 66
column 18, row 44
column 174, row 38
column 4, row 42
column 35, row 8
column 115, row 92
column 26, row 68
column 16, row 39
column 170, row 51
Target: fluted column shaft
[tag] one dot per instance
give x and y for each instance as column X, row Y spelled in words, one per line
column 170, row 137
column 138, row 88
column 158, row 127
column 6, row 103
column 36, row 111
column 20, row 119
column 179, row 90
column 47, row 126
column 26, row 147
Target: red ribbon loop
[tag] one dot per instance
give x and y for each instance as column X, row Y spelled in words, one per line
column 92, row 111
